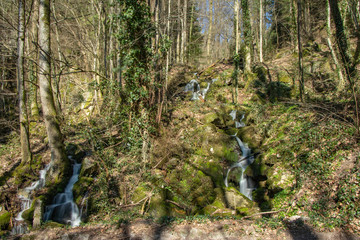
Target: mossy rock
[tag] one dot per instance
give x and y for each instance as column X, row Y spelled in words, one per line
column 209, row 118
column 257, row 170
column 217, row 208
column 89, row 168
column 28, row 215
column 81, row 187
column 203, row 85
column 5, row 221
column 140, row 193
column 237, row 200
column 284, row 77
column 51, row 224
column 279, row 178
column 159, row 207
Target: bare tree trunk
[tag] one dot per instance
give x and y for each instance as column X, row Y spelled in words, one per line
column 247, row 34
column 341, row 84
column 168, row 52
column 58, row 156
column 24, row 123
column 209, row 40
column 236, row 24
column 261, row 17
column 301, row 78
column 34, row 70
column 184, row 32
column 178, row 40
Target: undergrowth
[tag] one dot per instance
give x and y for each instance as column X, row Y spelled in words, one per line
column 316, row 148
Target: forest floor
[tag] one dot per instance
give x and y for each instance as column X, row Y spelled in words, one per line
column 214, row 230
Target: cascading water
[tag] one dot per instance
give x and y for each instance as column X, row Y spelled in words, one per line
column 194, row 87
column 238, row 124
column 245, row 184
column 20, row 226
column 64, row 209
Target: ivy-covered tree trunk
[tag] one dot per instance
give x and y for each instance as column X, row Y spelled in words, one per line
column 341, row 83
column 24, row 123
column 342, row 41
column 58, row 156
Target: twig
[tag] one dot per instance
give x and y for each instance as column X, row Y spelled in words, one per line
column 135, row 204
column 177, row 204
column 262, row 213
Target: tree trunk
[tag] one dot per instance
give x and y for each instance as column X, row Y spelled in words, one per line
column 184, row 33
column 342, row 41
column 178, row 41
column 236, row 25
column 301, row 71
column 247, row 34
column 209, row 39
column 261, row 17
column 341, row 84
column 58, row 157
column 169, row 50
column 24, row 123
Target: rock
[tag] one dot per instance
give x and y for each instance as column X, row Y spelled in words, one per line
column 88, row 168
column 236, row 200
column 38, row 212
column 5, row 221
column 210, row 117
column 279, row 178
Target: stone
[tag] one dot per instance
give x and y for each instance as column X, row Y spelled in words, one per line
column 38, row 212
column 237, row 200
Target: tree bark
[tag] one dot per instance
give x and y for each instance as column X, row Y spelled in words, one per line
column 209, row 38
column 247, row 34
column 301, row 71
column 341, row 83
column 261, row 17
column 342, row 41
column 184, row 32
column 236, row 25
column 58, row 156
column 24, row 123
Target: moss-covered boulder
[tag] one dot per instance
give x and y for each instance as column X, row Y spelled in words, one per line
column 89, row 167
column 159, row 208
column 210, row 117
column 5, row 220
column 279, row 178
column 237, row 200
column 249, row 135
column 81, row 187
column 218, row 206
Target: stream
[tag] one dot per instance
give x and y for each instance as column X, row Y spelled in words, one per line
column 20, row 226
column 246, row 185
column 64, row 209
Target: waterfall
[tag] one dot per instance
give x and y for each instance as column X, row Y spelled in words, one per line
column 245, row 184
column 20, row 226
column 238, row 124
column 194, row 87
column 64, row 209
